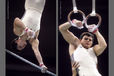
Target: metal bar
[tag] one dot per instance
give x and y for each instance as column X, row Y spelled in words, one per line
column 28, row 62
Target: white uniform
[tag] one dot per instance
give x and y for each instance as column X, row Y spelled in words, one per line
column 33, row 12
column 87, row 61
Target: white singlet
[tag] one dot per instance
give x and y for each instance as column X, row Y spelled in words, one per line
column 33, row 12
column 87, row 61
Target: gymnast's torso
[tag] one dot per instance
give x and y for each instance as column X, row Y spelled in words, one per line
column 87, row 61
column 35, row 4
column 33, row 13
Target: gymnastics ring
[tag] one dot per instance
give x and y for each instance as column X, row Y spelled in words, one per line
column 78, row 11
column 88, row 16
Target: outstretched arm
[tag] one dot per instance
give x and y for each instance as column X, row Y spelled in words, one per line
column 34, row 43
column 35, row 46
column 100, row 47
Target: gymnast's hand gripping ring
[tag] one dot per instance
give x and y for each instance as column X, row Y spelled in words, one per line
column 73, row 12
column 96, row 15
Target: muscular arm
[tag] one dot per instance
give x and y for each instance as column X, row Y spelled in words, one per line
column 34, row 43
column 35, row 46
column 67, row 35
column 71, row 49
column 100, row 47
column 18, row 27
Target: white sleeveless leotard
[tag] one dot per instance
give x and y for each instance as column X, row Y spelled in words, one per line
column 33, row 12
column 87, row 61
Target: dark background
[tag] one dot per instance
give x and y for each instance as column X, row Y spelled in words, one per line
column 47, row 38
column 65, row 6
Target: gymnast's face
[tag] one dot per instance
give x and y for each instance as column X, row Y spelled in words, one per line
column 21, row 44
column 87, row 41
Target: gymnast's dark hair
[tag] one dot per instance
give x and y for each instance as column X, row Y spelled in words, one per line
column 14, row 44
column 87, row 34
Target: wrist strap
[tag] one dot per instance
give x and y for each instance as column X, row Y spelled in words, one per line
column 72, row 24
column 95, row 30
column 41, row 65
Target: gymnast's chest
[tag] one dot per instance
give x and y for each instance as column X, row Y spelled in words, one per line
column 84, row 56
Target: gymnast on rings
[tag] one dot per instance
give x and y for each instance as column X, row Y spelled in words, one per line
column 81, row 48
column 28, row 28
column 82, row 51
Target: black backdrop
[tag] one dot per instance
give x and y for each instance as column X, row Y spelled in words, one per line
column 47, row 37
column 65, row 6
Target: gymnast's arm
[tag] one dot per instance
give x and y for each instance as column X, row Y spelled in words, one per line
column 100, row 47
column 67, row 35
column 35, row 43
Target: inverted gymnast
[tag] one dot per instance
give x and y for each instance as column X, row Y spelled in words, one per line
column 28, row 28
